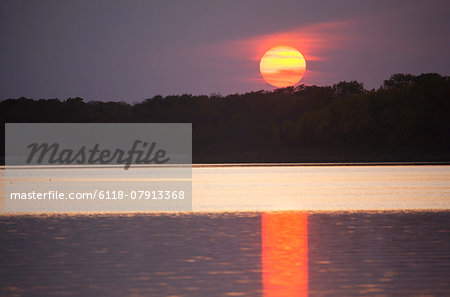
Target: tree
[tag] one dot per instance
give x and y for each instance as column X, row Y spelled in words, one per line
column 399, row 80
column 345, row 89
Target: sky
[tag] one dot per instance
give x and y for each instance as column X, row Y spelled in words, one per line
column 132, row 50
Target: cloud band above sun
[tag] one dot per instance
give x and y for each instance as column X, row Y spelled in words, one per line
column 316, row 42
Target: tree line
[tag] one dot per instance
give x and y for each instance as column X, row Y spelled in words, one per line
column 406, row 119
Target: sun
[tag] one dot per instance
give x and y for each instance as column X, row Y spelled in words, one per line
column 282, row 66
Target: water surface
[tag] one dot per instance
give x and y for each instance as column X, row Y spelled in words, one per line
column 269, row 188
column 227, row 254
column 255, row 231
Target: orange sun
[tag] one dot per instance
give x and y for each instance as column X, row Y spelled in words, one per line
column 282, row 66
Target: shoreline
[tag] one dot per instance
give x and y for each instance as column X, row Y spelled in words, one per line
column 236, row 164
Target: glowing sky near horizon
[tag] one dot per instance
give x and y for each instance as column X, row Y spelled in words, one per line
column 133, row 50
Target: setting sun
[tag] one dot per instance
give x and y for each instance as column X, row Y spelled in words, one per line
column 282, row 66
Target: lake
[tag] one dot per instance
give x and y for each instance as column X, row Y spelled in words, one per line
column 254, row 231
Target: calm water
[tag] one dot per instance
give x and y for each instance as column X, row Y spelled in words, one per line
column 321, row 188
column 255, row 231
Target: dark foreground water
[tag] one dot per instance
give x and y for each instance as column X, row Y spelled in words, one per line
column 227, row 254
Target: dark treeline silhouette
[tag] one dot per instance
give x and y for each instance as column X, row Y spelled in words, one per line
column 406, row 119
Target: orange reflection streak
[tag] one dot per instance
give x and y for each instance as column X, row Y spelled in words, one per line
column 285, row 254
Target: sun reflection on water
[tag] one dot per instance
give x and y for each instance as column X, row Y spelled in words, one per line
column 285, row 254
